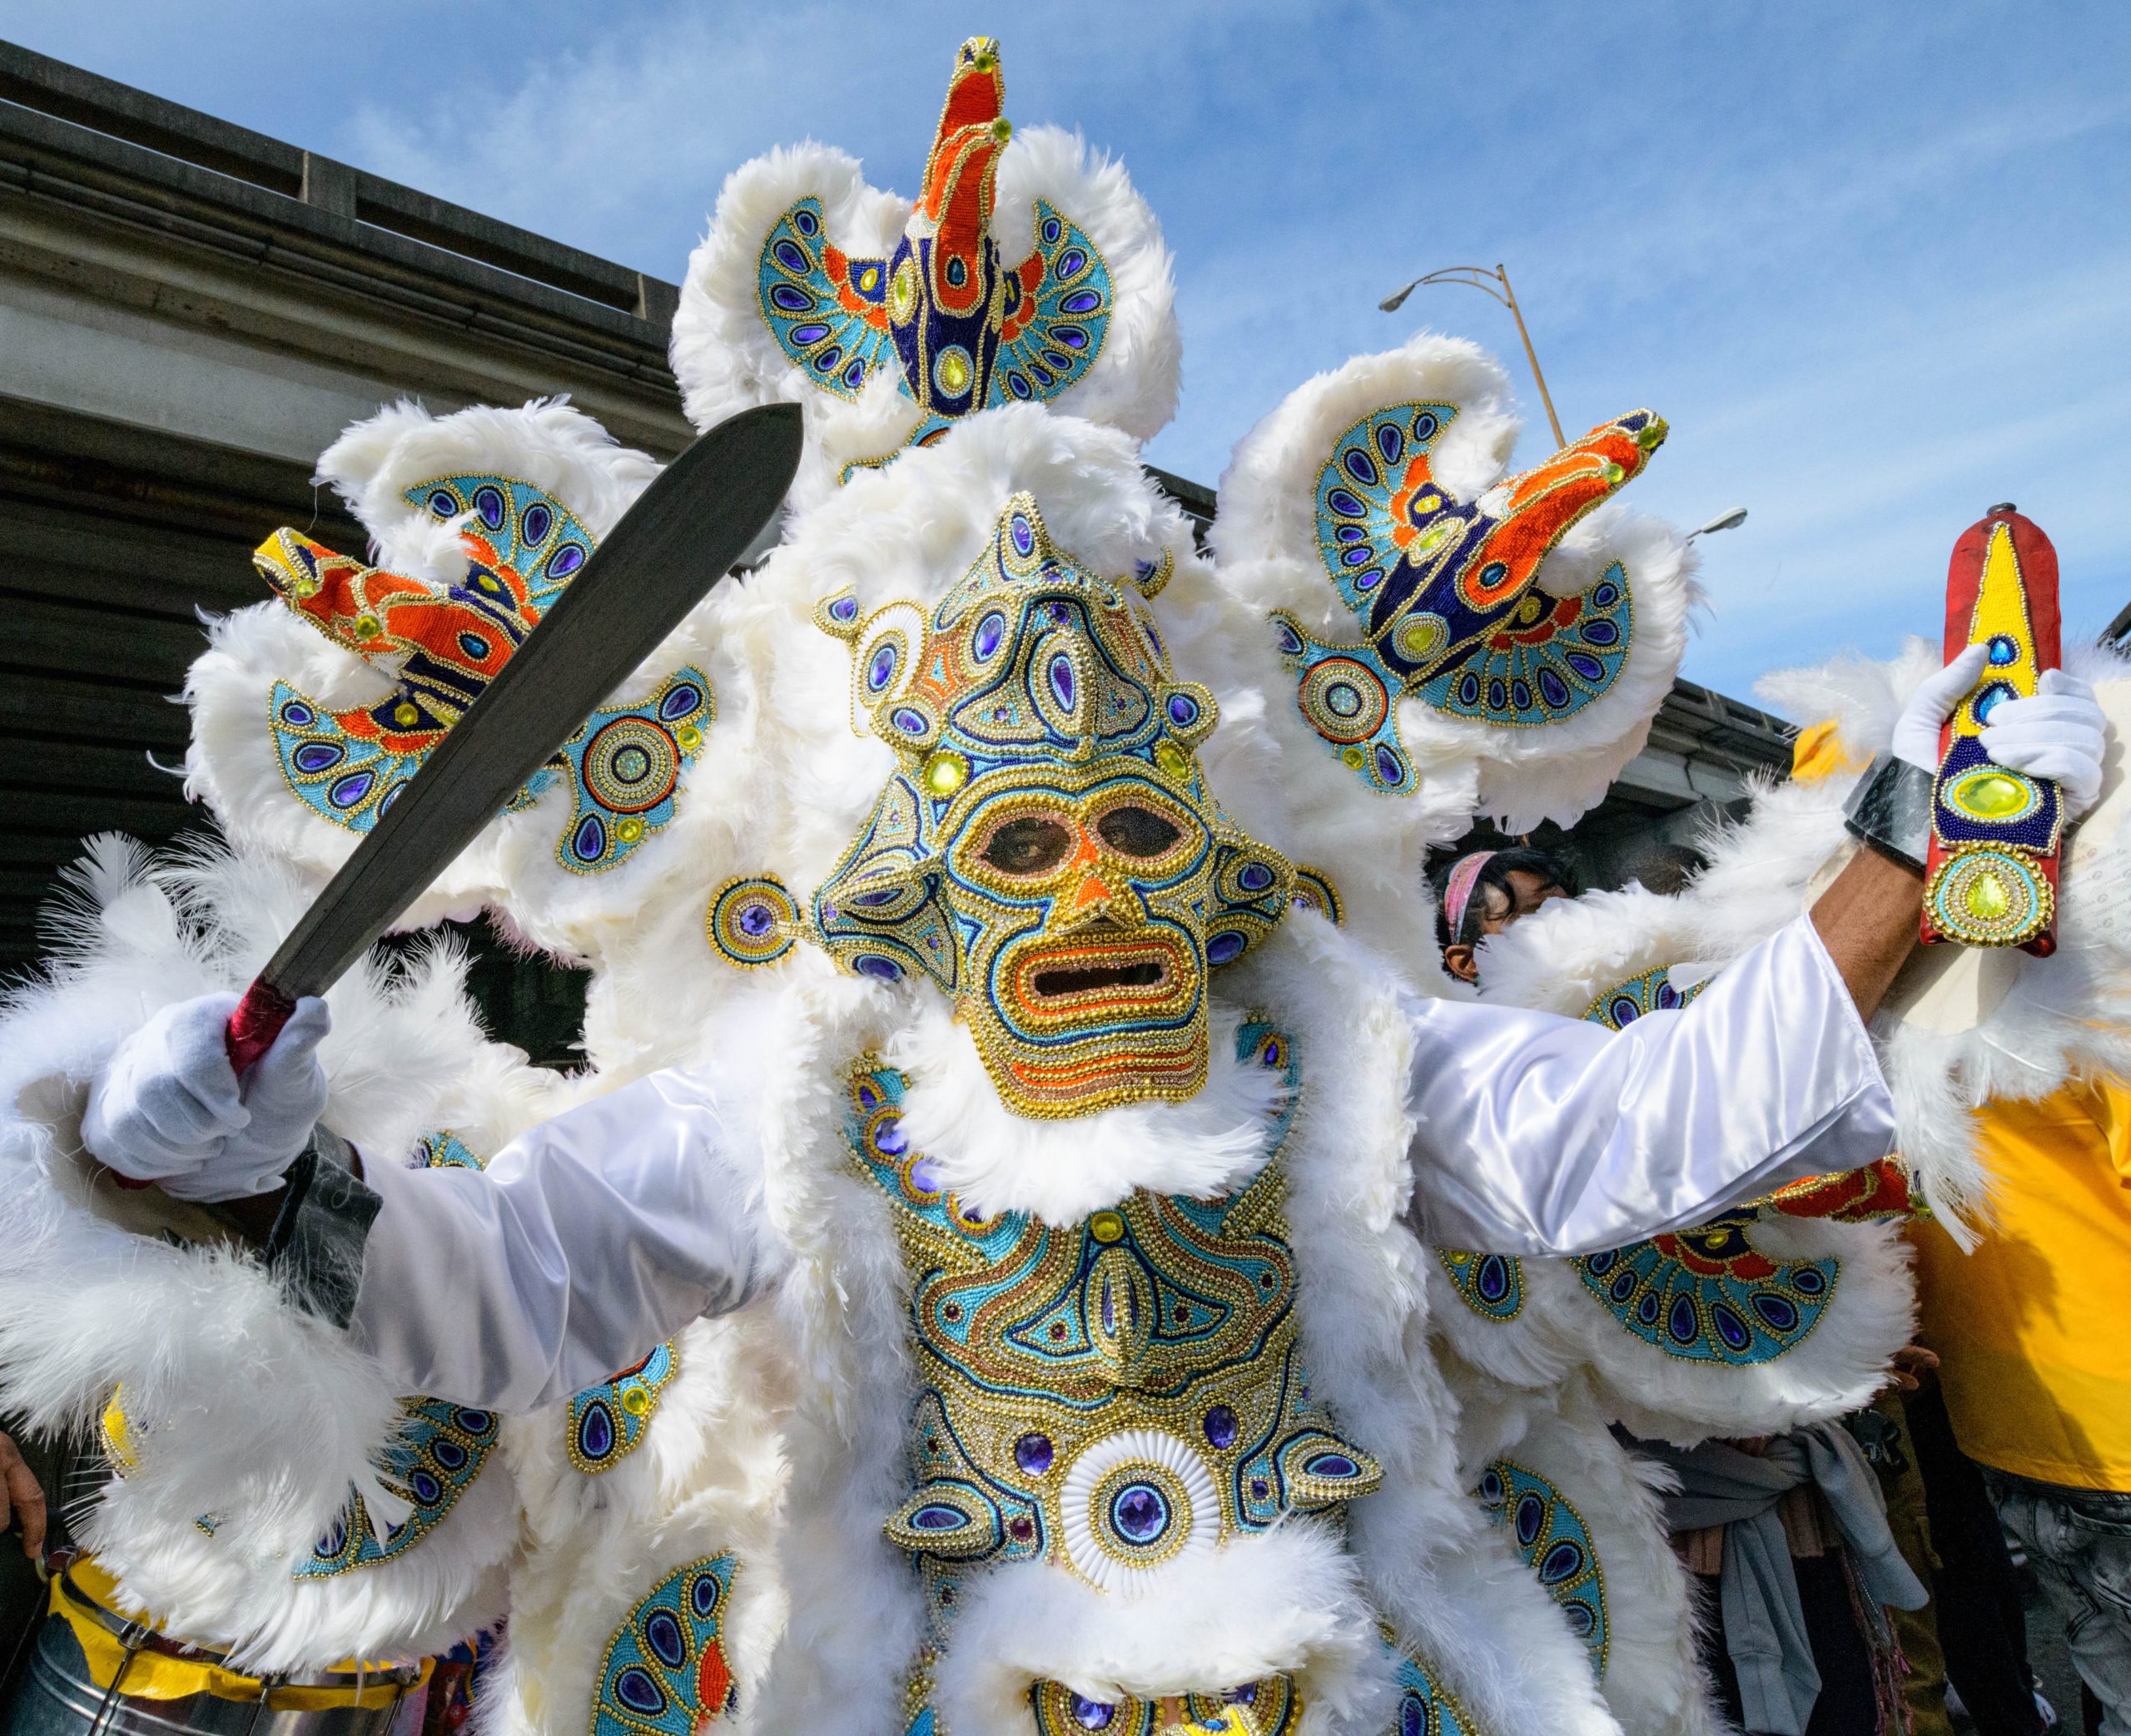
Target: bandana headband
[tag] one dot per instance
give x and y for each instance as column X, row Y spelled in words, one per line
column 1458, row 890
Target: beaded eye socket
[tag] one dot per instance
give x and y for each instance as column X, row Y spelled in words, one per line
column 1133, row 830
column 1030, row 844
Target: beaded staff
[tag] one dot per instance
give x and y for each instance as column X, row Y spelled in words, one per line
column 1991, row 873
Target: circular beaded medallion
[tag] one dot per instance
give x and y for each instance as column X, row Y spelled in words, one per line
column 630, row 766
column 1134, row 1501
column 1988, row 896
column 752, row 921
column 1343, row 699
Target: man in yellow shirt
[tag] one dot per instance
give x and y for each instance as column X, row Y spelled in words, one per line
column 2033, row 1335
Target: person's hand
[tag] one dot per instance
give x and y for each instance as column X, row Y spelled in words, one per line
column 2060, row 734
column 1916, row 730
column 22, row 1498
column 1912, row 1364
column 167, row 1107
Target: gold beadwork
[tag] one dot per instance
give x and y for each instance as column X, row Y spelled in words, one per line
column 1047, row 851
column 1119, row 1391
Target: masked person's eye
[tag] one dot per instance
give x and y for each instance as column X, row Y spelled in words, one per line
column 1136, row 831
column 1030, row 844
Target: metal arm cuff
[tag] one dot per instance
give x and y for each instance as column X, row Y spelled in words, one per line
column 318, row 1238
column 1890, row 810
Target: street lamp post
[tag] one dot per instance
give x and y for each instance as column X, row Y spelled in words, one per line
column 1494, row 283
column 1723, row 521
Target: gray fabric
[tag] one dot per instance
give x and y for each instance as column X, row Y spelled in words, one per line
column 1764, row 1622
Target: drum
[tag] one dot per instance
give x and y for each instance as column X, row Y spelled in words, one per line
column 94, row 1672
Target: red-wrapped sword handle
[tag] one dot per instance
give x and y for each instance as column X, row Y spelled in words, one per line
column 256, row 1024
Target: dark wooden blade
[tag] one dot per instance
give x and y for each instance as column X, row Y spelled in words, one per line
column 680, row 537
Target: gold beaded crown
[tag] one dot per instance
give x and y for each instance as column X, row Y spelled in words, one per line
column 1029, row 656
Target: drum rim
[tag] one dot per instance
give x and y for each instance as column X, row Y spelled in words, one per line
column 139, row 1635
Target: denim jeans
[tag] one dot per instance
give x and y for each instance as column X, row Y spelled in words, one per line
column 2078, row 1541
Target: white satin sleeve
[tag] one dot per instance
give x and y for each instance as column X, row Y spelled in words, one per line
column 1541, row 1135
column 584, row 1244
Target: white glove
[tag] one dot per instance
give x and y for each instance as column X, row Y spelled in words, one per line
column 1916, row 730
column 167, row 1107
column 2059, row 734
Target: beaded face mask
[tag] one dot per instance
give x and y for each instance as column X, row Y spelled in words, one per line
column 1047, row 852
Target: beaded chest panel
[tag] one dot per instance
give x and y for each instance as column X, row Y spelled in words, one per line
column 1110, row 1397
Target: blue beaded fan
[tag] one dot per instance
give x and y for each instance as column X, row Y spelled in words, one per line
column 1556, row 1544
column 665, row 1673
column 1445, row 590
column 432, row 1458
column 1425, row 1707
column 829, row 313
column 965, row 332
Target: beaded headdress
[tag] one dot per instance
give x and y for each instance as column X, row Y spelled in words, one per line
column 1047, row 851
column 1444, row 589
column 1022, row 274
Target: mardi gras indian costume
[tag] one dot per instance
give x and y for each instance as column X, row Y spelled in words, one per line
column 1015, row 1065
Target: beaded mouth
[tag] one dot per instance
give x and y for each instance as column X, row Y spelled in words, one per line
column 1065, row 981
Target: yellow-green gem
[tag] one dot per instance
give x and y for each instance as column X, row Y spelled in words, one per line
column 1993, row 796
column 405, row 714
column 635, row 1400
column 689, row 737
column 945, row 773
column 1106, row 1226
column 1173, row 759
column 1420, row 636
column 366, row 627
column 1352, row 755
column 628, row 830
column 953, row 374
column 902, row 292
column 1987, row 898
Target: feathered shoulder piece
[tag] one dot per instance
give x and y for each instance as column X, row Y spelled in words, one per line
column 312, row 711
column 1026, row 271
column 1452, row 637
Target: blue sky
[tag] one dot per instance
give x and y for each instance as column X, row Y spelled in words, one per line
column 1873, row 262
